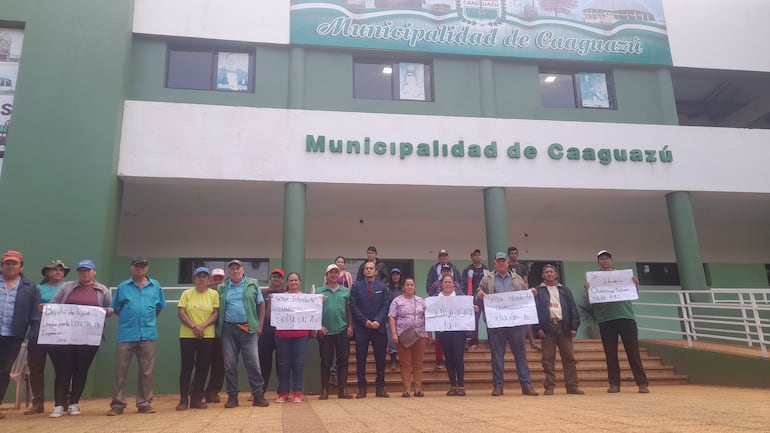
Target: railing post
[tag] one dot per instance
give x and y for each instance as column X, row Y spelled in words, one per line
column 746, row 326
column 758, row 323
column 683, row 307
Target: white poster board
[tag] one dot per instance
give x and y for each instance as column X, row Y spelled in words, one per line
column 71, row 324
column 503, row 310
column 611, row 286
column 449, row 313
column 294, row 311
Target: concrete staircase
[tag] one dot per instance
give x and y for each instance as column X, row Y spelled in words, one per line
column 592, row 369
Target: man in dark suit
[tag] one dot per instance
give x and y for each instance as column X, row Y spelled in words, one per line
column 369, row 305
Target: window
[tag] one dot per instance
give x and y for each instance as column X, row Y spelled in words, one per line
column 403, row 81
column 658, row 274
column 576, row 90
column 254, row 268
column 201, row 69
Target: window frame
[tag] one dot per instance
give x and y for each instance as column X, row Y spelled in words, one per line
column 214, row 52
column 188, row 264
column 577, row 87
column 395, row 78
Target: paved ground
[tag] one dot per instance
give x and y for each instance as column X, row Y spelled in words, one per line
column 676, row 408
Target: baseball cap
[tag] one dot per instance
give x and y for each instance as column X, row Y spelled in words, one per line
column 234, row 262
column 86, row 264
column 446, row 267
column 475, row 251
column 395, row 271
column 501, row 255
column 442, row 252
column 139, row 261
column 218, row 272
column 332, row 267
column 13, row 256
column 53, row 264
column 603, row 252
column 280, row 272
column 201, row 270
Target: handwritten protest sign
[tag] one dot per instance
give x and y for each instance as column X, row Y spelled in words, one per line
column 449, row 313
column 611, row 286
column 71, row 324
column 296, row 311
column 507, row 309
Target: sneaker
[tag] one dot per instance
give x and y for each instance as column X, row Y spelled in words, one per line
column 146, row 409
column 73, row 409
column 297, row 397
column 282, row 397
column 440, row 364
column 643, row 389
column 115, row 411
column 460, row 391
column 613, row 389
column 497, row 392
column 57, row 412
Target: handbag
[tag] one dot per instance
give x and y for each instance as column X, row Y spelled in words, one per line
column 410, row 336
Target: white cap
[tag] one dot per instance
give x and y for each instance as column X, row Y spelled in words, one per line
column 331, row 268
column 218, row 272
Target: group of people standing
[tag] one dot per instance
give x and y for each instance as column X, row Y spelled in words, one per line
column 224, row 318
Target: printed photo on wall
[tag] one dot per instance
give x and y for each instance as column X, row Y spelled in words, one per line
column 233, row 71
column 412, row 81
column 593, row 90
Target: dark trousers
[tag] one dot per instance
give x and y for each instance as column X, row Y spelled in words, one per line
column 9, row 350
column 629, row 334
column 453, row 343
column 379, row 346
column 36, row 356
column 217, row 374
column 71, row 364
column 331, row 346
column 266, row 350
column 553, row 339
column 473, row 336
column 195, row 352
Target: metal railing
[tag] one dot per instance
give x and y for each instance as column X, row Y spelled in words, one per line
column 729, row 315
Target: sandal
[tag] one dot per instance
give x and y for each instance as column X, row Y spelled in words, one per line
column 419, row 394
column 406, row 394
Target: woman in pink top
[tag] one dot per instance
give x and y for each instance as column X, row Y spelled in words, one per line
column 406, row 311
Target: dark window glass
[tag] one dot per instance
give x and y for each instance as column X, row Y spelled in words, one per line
column 767, row 269
column 658, row 274
column 557, row 91
column 190, row 70
column 373, row 80
column 253, row 268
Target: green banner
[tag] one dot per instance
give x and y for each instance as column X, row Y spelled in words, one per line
column 584, row 30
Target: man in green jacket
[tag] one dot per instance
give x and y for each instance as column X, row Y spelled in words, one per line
column 241, row 317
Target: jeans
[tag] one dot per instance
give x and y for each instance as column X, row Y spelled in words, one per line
column 266, row 349
column 291, row 362
column 9, row 349
column 236, row 342
column 513, row 336
column 379, row 346
column 145, row 357
column 629, row 334
column 195, row 352
column 331, row 347
column 453, row 343
column 217, row 375
column 71, row 364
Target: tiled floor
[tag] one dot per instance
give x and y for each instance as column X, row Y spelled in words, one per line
column 676, row 408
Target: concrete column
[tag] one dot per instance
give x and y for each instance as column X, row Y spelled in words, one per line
column 293, row 252
column 487, row 86
column 496, row 221
column 296, row 77
column 686, row 245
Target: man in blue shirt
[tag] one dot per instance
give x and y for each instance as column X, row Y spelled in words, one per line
column 138, row 301
column 241, row 318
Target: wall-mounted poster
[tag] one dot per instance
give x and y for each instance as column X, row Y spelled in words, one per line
column 411, row 79
column 593, row 90
column 10, row 55
column 582, row 30
column 233, row 71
